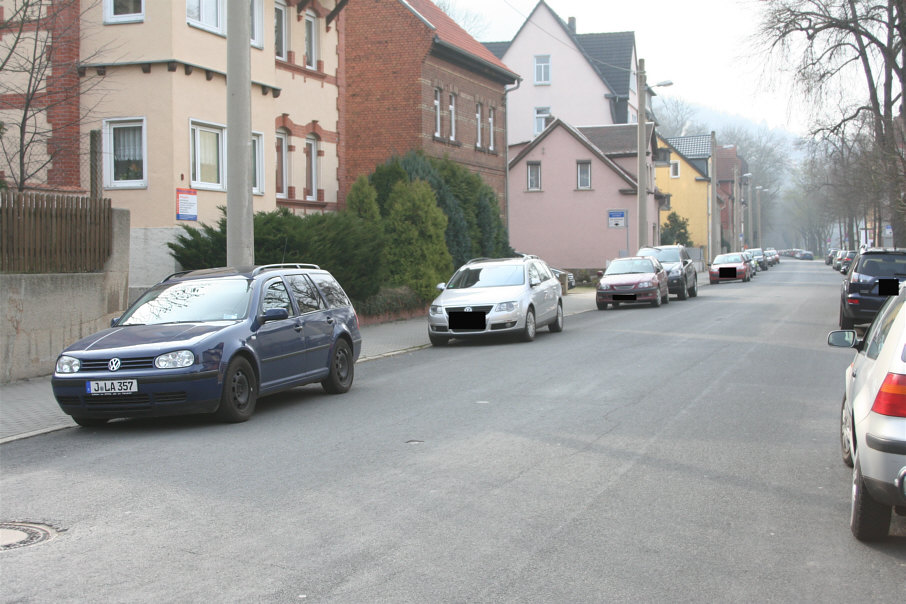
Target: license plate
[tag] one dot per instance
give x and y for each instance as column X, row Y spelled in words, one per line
column 111, row 386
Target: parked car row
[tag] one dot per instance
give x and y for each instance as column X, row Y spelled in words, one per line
column 798, row 254
column 649, row 277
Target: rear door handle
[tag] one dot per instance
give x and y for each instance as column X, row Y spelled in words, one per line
column 330, row 320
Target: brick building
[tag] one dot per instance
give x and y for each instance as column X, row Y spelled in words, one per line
column 411, row 78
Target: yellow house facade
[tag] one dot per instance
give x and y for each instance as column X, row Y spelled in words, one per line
column 154, row 83
column 689, row 188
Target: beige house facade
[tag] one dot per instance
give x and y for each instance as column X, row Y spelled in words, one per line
column 158, row 95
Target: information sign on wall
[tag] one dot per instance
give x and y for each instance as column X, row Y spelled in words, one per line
column 186, row 204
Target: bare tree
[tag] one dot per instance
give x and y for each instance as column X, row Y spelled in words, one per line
column 475, row 24
column 676, row 117
column 41, row 91
column 829, row 45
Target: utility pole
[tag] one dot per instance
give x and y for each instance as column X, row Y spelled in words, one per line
column 749, row 225
column 240, row 212
column 643, row 165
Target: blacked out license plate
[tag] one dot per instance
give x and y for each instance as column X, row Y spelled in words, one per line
column 474, row 321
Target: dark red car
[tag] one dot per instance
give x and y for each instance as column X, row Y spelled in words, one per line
column 729, row 267
column 631, row 280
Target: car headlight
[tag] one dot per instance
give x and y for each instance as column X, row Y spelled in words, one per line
column 675, row 272
column 604, row 286
column 67, row 364
column 645, row 284
column 505, row 307
column 436, row 310
column 175, row 360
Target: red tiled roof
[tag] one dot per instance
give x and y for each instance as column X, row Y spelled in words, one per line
column 448, row 31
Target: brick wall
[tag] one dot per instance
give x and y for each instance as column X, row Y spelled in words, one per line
column 63, row 111
column 387, row 81
column 379, row 79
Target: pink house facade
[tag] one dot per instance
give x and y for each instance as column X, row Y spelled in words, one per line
column 571, row 204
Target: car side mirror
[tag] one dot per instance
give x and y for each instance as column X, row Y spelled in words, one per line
column 114, row 321
column 843, row 338
column 600, row 273
column 274, row 314
column 441, row 286
column 535, row 282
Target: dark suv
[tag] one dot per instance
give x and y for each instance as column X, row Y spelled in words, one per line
column 682, row 278
column 213, row 341
column 873, row 275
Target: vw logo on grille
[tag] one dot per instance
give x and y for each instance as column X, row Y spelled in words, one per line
column 468, row 309
column 114, row 364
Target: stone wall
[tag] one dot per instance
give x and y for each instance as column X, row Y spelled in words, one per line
column 41, row 314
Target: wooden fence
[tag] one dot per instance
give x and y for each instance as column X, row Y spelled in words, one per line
column 53, row 233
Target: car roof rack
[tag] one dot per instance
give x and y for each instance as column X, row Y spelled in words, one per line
column 272, row 267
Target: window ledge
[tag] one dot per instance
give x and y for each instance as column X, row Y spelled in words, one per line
column 284, row 64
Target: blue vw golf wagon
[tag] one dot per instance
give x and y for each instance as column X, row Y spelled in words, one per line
column 213, row 341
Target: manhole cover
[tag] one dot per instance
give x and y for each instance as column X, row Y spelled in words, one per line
column 23, row 534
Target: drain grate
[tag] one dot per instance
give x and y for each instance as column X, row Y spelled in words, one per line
column 14, row 535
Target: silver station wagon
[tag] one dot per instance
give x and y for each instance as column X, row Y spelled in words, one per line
column 497, row 296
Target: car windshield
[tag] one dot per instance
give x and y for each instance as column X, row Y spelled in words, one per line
column 191, row 302
column 756, row 251
column 629, row 267
column 728, row 259
column 670, row 254
column 487, row 276
column 882, row 265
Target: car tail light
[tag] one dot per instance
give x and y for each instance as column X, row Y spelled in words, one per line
column 891, row 398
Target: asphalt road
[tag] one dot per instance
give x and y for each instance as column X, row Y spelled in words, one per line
column 681, row 454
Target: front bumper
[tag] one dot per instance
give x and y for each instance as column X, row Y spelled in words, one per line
column 461, row 324
column 648, row 294
column 157, row 395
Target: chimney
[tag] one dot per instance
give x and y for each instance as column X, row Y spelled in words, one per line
column 572, row 24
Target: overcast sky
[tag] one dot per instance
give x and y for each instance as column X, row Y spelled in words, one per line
column 703, row 46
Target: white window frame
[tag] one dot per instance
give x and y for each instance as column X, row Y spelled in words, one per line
column 195, row 127
column 541, row 115
column 452, row 116
column 258, row 163
column 490, row 128
column 311, row 166
column 108, row 127
column 257, row 24
column 282, row 139
column 533, row 166
column 110, row 18
column 542, row 70
column 580, row 164
column 478, row 124
column 674, row 168
column 437, row 112
column 311, row 40
column 283, row 52
column 218, row 27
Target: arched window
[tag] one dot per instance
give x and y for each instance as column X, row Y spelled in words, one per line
column 311, row 168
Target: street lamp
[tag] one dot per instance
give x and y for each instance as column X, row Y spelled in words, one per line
column 748, row 182
column 642, row 186
column 758, row 191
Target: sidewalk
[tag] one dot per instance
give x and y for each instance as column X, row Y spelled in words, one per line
column 28, row 408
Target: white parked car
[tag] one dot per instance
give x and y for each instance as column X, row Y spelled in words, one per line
column 497, row 296
column 873, row 419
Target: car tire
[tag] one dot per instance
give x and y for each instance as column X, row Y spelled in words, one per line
column 693, row 293
column 530, row 329
column 342, row 369
column 90, row 422
column 846, row 432
column 557, row 325
column 666, row 298
column 868, row 520
column 438, row 340
column 684, row 291
column 616, row 305
column 657, row 300
column 240, row 392
column 846, row 322
column 601, row 305
column 713, row 282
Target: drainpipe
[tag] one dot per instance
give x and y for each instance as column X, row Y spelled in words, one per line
column 506, row 152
